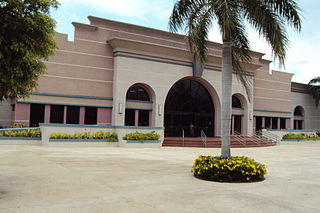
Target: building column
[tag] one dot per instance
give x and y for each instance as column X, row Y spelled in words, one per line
column 232, row 124
column 47, row 110
column 254, row 124
column 65, row 115
column 81, row 115
column 279, row 126
column 263, row 122
column 136, row 117
column 150, row 118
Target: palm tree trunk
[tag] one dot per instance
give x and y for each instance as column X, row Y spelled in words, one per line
column 226, row 87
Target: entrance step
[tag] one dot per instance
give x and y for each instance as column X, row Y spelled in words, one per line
column 215, row 142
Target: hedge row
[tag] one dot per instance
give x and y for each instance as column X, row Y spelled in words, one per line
column 30, row 133
column 142, row 136
column 86, row 135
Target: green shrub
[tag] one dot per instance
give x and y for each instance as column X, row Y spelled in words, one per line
column 29, row 133
column 301, row 136
column 142, row 136
column 232, row 169
column 86, row 135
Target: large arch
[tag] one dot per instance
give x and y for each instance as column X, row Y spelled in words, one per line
column 191, row 105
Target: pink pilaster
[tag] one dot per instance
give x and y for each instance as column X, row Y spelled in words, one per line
column 232, row 125
column 47, row 113
column 150, row 118
column 104, row 116
column 81, row 115
column 288, row 123
column 279, row 119
column 136, row 117
column 263, row 122
column 65, row 115
column 22, row 113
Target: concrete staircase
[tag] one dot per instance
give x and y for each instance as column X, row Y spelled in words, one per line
column 215, row 142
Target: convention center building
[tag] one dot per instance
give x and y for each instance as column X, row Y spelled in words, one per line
column 119, row 74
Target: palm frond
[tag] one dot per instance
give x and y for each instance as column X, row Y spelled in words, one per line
column 288, row 10
column 269, row 24
column 314, row 81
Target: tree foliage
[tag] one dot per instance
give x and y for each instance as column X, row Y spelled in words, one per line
column 315, row 89
column 268, row 17
column 26, row 36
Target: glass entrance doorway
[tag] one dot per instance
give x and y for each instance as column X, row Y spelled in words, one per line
column 188, row 110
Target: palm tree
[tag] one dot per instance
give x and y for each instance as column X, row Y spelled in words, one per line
column 315, row 89
column 268, row 17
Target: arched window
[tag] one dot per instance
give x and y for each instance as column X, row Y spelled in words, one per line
column 137, row 116
column 137, row 93
column 298, row 111
column 298, row 114
column 236, row 103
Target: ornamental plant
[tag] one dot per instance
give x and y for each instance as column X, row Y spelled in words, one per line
column 301, row 136
column 18, row 125
column 230, row 169
column 86, row 135
column 142, row 136
column 29, row 133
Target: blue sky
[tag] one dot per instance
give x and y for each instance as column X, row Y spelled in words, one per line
column 303, row 54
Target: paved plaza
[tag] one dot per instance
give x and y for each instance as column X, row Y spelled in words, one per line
column 52, row 179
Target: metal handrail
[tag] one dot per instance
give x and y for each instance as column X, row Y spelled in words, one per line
column 237, row 136
column 255, row 138
column 272, row 137
column 204, row 138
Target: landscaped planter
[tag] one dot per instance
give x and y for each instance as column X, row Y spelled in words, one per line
column 82, row 142
column 20, row 141
column 143, row 141
column 304, row 141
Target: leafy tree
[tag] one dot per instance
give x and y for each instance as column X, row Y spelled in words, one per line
column 268, row 17
column 26, row 36
column 315, row 89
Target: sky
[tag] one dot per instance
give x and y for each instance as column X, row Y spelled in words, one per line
column 302, row 56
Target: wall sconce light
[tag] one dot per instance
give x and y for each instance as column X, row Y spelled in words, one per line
column 120, row 106
column 159, row 109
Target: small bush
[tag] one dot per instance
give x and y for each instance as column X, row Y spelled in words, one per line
column 302, row 136
column 17, row 125
column 142, row 136
column 86, row 135
column 232, row 169
column 29, row 133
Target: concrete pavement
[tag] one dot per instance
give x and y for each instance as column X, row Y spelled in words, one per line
column 114, row 179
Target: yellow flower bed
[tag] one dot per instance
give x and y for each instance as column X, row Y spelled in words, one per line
column 29, row 133
column 232, row 169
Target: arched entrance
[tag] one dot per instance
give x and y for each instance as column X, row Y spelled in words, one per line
column 188, row 108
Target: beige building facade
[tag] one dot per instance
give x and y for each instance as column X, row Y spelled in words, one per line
column 118, row 74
